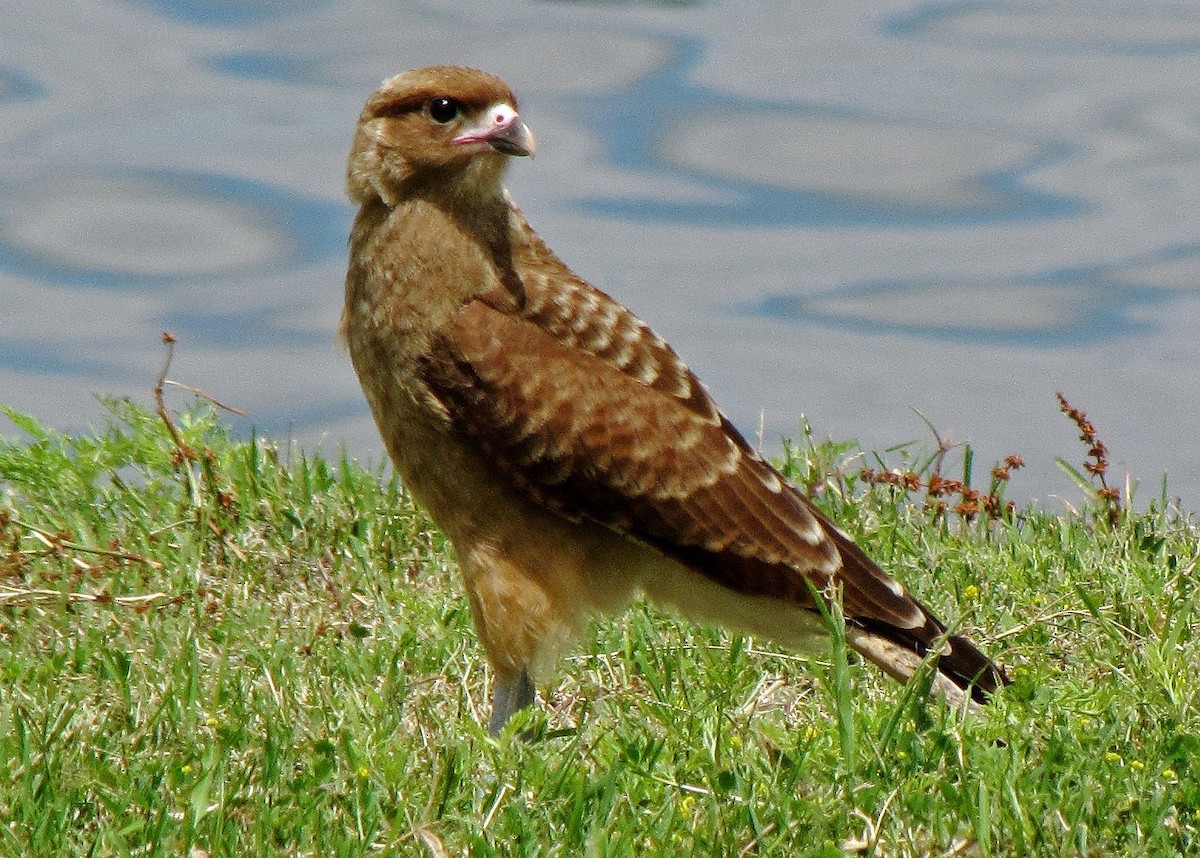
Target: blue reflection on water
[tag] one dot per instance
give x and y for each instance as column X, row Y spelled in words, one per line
column 943, row 22
column 267, row 65
column 1093, row 304
column 303, row 230
column 236, row 328
column 16, row 85
column 633, row 118
column 37, row 355
column 232, row 13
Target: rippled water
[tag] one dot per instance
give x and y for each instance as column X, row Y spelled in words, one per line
column 845, row 210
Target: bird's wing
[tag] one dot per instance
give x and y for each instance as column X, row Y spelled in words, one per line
column 593, row 414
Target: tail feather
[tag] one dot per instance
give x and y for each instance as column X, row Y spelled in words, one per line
column 965, row 676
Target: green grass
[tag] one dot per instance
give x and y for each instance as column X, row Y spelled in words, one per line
column 240, row 650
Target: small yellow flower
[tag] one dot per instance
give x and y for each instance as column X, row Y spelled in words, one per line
column 1137, row 765
column 210, row 721
column 810, row 733
column 970, row 592
column 1169, row 774
column 1113, row 757
column 187, row 769
column 363, row 772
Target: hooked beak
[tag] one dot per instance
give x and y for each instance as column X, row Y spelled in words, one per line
column 502, row 129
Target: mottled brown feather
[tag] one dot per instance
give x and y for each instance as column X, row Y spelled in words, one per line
column 550, row 432
column 588, row 438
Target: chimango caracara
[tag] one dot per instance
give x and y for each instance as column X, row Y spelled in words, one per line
column 563, row 447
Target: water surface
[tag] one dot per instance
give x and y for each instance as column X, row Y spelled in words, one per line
column 844, row 211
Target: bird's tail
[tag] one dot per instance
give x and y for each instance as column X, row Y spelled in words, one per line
column 964, row 675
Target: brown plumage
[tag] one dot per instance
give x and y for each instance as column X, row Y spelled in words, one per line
column 564, row 448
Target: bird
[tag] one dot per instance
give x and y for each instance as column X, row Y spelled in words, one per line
column 569, row 455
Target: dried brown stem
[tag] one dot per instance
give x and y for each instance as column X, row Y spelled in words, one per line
column 198, row 392
column 54, row 540
column 186, row 452
column 1097, row 462
column 27, row 596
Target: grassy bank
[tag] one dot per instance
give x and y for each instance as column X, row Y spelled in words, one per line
column 217, row 647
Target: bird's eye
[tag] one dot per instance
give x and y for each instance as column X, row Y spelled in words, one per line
column 442, row 109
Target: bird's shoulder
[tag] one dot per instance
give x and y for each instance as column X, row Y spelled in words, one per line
column 550, row 300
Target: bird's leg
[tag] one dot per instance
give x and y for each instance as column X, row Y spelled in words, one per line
column 510, row 693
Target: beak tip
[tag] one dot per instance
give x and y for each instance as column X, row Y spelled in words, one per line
column 516, row 139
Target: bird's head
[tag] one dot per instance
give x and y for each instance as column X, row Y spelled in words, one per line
column 446, row 125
